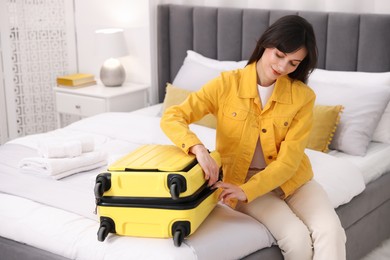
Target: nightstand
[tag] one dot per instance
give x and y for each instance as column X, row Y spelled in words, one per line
column 92, row 100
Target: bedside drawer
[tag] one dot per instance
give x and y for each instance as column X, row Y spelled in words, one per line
column 79, row 105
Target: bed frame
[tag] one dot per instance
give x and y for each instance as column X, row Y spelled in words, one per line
column 348, row 42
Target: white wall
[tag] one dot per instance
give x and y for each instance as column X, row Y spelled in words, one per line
column 132, row 16
column 138, row 18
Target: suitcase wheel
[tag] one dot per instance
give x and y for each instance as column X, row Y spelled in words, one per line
column 98, row 190
column 106, row 226
column 174, row 190
column 177, row 184
column 102, row 233
column 180, row 229
column 103, row 184
column 178, row 238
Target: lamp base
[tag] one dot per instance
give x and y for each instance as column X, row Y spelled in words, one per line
column 112, row 73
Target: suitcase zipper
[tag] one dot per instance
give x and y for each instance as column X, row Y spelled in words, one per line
column 189, row 202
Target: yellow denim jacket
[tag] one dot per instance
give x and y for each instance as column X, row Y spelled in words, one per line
column 283, row 126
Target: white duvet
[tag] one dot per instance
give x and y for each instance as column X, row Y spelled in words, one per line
column 69, row 227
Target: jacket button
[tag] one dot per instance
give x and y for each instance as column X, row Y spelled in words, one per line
column 264, row 130
column 183, row 145
column 285, row 123
column 270, row 157
column 234, row 114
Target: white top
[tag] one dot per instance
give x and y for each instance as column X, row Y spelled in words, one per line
column 265, row 93
column 258, row 161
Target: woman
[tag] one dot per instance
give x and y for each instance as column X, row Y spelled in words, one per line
column 264, row 118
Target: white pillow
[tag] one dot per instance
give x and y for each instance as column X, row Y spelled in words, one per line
column 365, row 79
column 197, row 70
column 215, row 64
column 193, row 75
column 363, row 104
column 382, row 131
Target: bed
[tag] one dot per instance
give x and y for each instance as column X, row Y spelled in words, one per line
column 45, row 218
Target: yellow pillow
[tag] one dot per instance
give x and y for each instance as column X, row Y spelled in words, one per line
column 325, row 121
column 175, row 96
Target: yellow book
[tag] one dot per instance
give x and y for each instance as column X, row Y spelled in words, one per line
column 75, row 79
column 86, row 84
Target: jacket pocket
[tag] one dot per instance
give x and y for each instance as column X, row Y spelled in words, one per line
column 281, row 126
column 233, row 121
column 235, row 113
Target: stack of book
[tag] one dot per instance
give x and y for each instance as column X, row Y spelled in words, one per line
column 76, row 80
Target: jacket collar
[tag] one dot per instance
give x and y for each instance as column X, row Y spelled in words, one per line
column 248, row 86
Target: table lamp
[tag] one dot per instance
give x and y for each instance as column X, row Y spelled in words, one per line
column 110, row 46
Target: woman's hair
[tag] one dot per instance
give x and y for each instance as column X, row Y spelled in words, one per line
column 288, row 34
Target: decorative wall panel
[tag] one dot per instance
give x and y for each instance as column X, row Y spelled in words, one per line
column 39, row 39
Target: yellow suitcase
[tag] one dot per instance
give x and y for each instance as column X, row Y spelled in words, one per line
column 135, row 197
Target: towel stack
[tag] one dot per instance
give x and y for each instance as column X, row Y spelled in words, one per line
column 68, row 148
column 60, row 158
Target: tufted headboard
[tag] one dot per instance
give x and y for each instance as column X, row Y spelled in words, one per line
column 349, row 42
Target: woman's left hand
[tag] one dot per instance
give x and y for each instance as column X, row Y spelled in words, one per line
column 230, row 191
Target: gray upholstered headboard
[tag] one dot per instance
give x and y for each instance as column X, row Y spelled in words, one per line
column 349, row 42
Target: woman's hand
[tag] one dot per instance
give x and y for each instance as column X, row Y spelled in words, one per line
column 230, row 191
column 208, row 164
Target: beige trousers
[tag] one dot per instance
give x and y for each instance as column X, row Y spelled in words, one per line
column 305, row 225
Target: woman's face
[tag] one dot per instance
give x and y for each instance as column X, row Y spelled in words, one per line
column 274, row 64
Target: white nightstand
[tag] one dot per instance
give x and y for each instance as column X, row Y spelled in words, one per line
column 92, row 100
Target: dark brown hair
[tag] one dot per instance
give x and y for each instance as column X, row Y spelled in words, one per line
column 288, row 34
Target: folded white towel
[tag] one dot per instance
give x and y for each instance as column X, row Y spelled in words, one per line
column 87, row 144
column 66, row 148
column 59, row 168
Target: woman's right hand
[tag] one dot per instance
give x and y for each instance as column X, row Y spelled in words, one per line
column 208, row 164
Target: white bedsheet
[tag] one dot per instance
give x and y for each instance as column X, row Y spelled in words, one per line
column 117, row 134
column 341, row 179
column 373, row 164
column 70, row 235
column 73, row 236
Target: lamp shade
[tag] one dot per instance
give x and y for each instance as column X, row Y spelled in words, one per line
column 110, row 43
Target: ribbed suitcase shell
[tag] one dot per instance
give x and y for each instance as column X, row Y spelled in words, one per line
column 156, row 167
